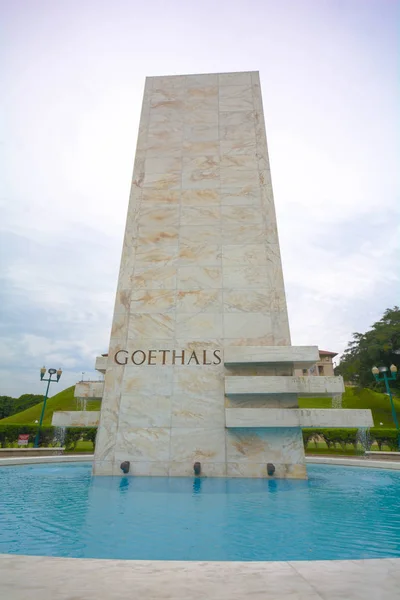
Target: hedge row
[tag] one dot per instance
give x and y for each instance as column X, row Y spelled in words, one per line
column 342, row 437
column 49, row 435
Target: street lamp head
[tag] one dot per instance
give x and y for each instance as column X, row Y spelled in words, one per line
column 52, row 371
column 375, row 371
column 383, row 369
column 393, row 369
column 42, row 372
column 59, row 373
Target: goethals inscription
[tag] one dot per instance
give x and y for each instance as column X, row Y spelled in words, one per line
column 168, row 357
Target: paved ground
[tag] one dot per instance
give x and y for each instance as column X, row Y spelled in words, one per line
column 43, row 578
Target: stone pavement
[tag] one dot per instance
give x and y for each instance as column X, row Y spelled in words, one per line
column 44, row 578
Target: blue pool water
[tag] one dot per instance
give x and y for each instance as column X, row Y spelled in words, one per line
column 339, row 513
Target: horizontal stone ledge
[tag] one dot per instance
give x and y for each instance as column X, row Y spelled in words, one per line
column 93, row 390
column 297, row 417
column 301, row 357
column 101, row 364
column 303, row 386
column 76, row 418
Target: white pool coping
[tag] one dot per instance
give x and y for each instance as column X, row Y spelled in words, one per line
column 47, row 578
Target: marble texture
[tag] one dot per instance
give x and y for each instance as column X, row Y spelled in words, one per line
column 298, row 356
column 200, row 272
column 50, row 578
column 292, row 417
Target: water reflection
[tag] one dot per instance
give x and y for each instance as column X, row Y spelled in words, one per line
column 196, row 485
column 124, row 484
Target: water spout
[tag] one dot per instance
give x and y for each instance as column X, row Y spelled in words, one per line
column 363, row 439
column 337, row 401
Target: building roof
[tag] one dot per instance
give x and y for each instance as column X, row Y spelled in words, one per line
column 327, row 353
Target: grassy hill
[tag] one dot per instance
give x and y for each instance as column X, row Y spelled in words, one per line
column 62, row 401
column 360, row 398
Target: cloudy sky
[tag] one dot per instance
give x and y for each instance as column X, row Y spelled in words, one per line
column 72, row 75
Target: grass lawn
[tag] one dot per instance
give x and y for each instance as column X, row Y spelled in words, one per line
column 62, row 401
column 364, row 398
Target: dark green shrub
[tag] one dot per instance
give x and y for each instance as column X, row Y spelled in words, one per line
column 89, row 435
column 72, row 437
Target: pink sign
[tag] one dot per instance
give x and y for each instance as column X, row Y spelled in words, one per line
column 23, row 439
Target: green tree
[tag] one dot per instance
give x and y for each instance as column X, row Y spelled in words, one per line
column 10, row 406
column 377, row 346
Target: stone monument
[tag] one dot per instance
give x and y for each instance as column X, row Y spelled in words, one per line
column 199, row 372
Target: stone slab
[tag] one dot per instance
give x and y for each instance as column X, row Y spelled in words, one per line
column 300, row 417
column 301, row 357
column 49, row 578
column 89, row 389
column 76, row 418
column 304, row 386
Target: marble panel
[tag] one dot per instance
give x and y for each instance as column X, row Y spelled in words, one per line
column 151, row 325
column 126, row 268
column 231, row 178
column 201, row 132
column 247, row 195
column 198, row 325
column 206, row 254
column 112, row 384
column 297, row 417
column 204, row 148
column 300, row 357
column 238, row 126
column 234, row 146
column 289, row 401
column 158, row 145
column 106, row 435
column 264, row 445
column 153, row 301
column 247, row 254
column 122, row 301
column 154, row 278
column 239, row 162
column 208, row 469
column 156, row 196
column 199, row 301
column 235, row 79
column 253, row 301
column 202, row 116
column 148, row 380
column 143, row 445
column 202, row 81
column 119, row 325
column 246, row 325
column 198, row 236
column 200, row 172
column 169, row 83
column 163, row 216
column 246, row 215
column 245, row 276
column 145, row 411
column 235, row 97
column 138, row 469
column 149, row 236
column 201, row 215
column 198, row 379
column 163, row 256
column 169, row 97
column 198, row 410
column 201, row 98
column 304, row 386
column 259, row 470
column 280, row 324
column 75, row 418
column 247, row 234
column 208, row 344
column 195, row 444
column 164, row 164
column 204, row 198
column 166, row 181
column 197, row 278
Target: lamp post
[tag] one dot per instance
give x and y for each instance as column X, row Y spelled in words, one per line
column 51, row 372
column 381, row 374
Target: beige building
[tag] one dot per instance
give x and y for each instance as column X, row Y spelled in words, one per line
column 324, row 367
